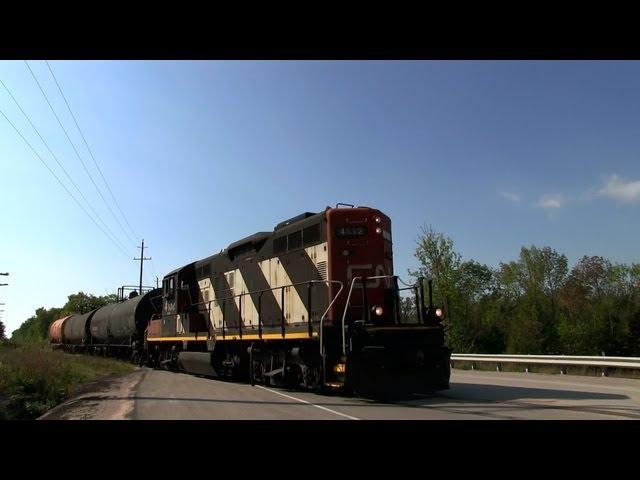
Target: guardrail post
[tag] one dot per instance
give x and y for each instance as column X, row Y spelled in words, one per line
column 473, row 365
column 498, row 369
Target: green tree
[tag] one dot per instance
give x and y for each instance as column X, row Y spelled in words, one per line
column 462, row 288
column 82, row 302
column 529, row 289
column 35, row 329
column 408, row 311
column 440, row 262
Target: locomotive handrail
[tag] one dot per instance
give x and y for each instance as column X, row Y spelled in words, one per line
column 120, row 294
column 321, row 327
column 151, row 299
column 260, row 293
column 405, row 283
column 346, row 307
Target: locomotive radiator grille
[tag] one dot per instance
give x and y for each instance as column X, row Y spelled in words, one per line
column 322, row 269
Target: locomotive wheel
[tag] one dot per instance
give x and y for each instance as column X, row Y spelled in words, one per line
column 252, row 376
column 293, row 376
column 256, row 373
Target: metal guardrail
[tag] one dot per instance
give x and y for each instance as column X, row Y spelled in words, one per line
column 562, row 360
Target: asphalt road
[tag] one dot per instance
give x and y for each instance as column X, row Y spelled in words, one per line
column 155, row 394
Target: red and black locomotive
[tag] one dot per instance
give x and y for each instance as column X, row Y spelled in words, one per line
column 313, row 303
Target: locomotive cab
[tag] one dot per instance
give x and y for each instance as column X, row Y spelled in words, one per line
column 360, row 248
column 180, row 313
column 379, row 345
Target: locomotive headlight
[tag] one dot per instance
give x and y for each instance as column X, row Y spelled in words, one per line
column 378, row 310
column 439, row 312
column 377, row 219
column 378, row 230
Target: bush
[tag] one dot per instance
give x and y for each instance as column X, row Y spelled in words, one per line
column 34, row 379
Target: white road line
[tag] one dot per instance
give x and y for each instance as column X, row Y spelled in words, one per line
column 308, row 403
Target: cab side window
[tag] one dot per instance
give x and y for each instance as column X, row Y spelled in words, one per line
column 169, row 287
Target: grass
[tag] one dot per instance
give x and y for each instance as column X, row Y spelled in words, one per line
column 35, row 378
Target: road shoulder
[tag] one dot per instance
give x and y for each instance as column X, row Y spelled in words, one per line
column 109, row 398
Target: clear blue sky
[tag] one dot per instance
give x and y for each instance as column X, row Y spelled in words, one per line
column 496, row 155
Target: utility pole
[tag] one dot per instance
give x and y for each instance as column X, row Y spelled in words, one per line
column 142, row 259
column 2, row 335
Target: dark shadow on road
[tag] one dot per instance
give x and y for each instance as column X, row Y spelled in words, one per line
column 500, row 393
column 458, row 394
column 482, row 399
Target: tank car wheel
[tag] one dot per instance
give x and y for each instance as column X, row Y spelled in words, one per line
column 136, row 357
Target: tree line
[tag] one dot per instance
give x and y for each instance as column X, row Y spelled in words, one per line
column 534, row 304
column 35, row 329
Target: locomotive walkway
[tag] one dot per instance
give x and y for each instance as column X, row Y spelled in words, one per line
column 157, row 395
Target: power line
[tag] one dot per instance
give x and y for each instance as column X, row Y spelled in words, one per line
column 90, row 152
column 60, row 182
column 72, row 144
column 58, row 162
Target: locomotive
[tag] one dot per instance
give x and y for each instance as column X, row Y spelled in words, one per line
column 313, row 303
